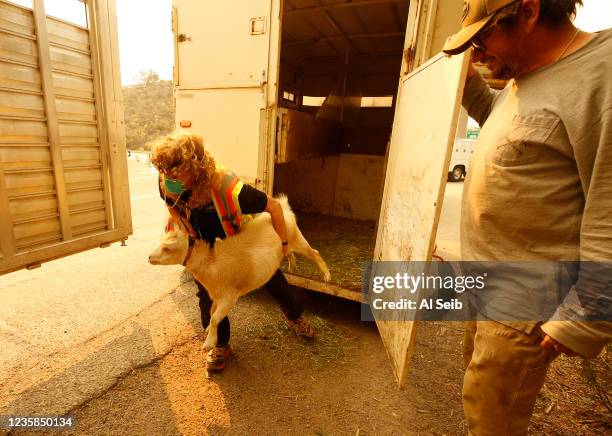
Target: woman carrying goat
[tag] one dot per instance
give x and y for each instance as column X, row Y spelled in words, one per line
column 210, row 202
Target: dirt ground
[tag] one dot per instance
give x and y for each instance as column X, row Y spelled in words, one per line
column 339, row 384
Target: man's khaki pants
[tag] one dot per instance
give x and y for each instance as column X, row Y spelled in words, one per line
column 505, row 370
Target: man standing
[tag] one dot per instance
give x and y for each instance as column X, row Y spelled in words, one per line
column 539, row 189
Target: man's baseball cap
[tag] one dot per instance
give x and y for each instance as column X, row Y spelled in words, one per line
column 476, row 15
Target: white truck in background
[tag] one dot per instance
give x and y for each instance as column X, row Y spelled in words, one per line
column 463, row 149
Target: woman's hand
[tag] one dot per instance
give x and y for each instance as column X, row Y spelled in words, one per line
column 181, row 221
column 278, row 220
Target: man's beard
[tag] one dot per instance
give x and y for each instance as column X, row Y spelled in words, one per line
column 502, row 72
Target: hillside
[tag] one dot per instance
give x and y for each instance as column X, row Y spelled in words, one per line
column 149, row 111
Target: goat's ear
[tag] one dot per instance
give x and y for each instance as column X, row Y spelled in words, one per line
column 170, row 237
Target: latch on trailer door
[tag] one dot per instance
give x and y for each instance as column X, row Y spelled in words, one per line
column 263, row 81
column 257, row 25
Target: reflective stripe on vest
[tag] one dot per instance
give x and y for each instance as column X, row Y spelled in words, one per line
column 227, row 205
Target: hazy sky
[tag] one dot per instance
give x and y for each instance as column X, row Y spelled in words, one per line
column 145, row 30
column 145, row 38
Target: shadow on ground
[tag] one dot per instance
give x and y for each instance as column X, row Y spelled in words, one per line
column 275, row 383
column 81, row 382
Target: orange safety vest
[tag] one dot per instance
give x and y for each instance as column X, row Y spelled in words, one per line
column 227, row 205
column 225, row 200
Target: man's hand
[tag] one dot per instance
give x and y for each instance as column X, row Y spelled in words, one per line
column 549, row 343
column 475, row 57
column 471, row 72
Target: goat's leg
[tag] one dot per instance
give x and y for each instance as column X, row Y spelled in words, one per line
column 303, row 247
column 211, row 339
column 213, row 307
column 221, row 310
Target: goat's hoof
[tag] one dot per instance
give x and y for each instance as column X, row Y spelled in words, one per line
column 327, row 277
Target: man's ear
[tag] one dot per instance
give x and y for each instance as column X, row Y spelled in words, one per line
column 529, row 15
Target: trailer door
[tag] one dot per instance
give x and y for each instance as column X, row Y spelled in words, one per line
column 424, row 127
column 226, row 55
column 63, row 168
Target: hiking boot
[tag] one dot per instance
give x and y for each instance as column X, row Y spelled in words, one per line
column 301, row 328
column 217, row 357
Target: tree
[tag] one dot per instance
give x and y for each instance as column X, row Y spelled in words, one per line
column 149, row 110
column 146, row 78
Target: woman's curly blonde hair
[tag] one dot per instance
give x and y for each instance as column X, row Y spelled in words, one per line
column 183, row 153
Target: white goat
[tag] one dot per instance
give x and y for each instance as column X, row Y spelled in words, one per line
column 237, row 265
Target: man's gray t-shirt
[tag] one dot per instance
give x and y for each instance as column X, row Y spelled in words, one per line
column 540, row 181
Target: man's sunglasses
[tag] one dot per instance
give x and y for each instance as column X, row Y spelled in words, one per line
column 502, row 14
column 477, row 41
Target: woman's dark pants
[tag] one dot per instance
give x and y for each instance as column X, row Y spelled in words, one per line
column 286, row 295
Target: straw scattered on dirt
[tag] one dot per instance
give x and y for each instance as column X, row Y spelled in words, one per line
column 344, row 243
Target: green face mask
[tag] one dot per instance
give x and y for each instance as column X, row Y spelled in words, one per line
column 174, row 186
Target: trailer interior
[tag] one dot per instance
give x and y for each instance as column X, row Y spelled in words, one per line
column 338, row 79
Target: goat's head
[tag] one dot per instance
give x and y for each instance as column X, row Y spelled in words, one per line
column 172, row 250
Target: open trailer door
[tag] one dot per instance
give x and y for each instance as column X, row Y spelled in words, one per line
column 424, row 128
column 63, row 167
column 226, row 57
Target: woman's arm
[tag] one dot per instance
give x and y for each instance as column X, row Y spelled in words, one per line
column 255, row 201
column 275, row 210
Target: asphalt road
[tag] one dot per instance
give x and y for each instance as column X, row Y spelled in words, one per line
column 91, row 316
column 70, row 330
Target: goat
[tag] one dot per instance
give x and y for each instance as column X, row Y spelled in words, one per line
column 239, row 264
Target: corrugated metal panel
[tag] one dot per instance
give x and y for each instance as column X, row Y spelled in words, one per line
column 68, row 60
column 73, row 86
column 66, row 34
column 86, row 199
column 28, row 178
column 53, row 184
column 19, row 76
column 18, row 47
column 72, row 133
column 19, row 104
column 36, row 232
column 16, row 19
column 22, row 131
column 75, row 110
column 19, row 156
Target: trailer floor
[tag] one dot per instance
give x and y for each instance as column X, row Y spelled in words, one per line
column 344, row 243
